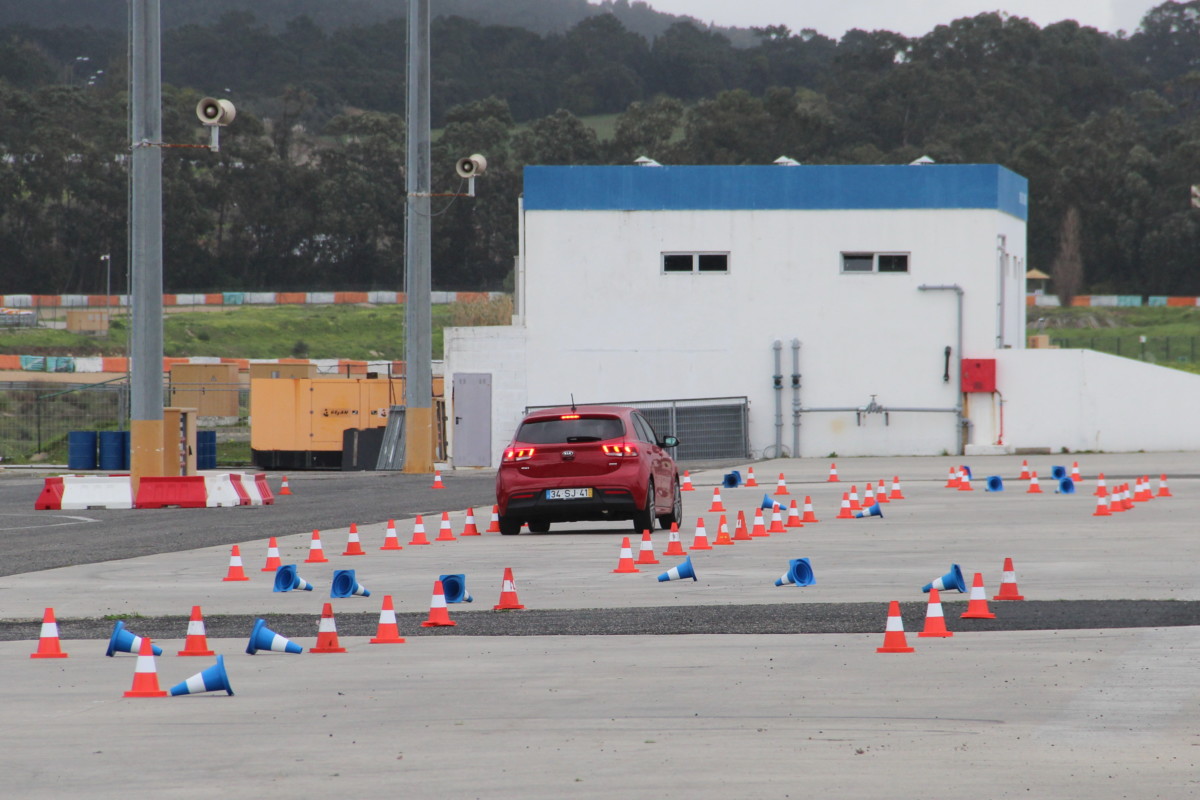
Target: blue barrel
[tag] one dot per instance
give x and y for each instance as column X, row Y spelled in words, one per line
column 81, row 450
column 124, row 451
column 206, row 449
column 112, row 451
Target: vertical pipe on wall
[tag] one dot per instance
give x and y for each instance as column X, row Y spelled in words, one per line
column 795, row 398
column 777, row 384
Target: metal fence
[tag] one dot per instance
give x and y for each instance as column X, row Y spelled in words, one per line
column 35, row 418
column 708, row 428
column 1156, row 349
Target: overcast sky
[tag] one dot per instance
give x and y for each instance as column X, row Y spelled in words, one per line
column 909, row 17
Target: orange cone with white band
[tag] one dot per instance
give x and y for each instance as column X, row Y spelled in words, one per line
column 781, row 486
column 833, row 476
column 145, row 675
column 439, row 616
column 494, row 525
column 964, row 480
column 390, row 540
column 741, row 533
column 1008, row 583
column 776, row 519
column 316, row 550
column 1101, row 488
column 646, row 552
column 445, row 534
column 844, row 511
column 977, row 606
column 437, row 480
column 469, row 527
column 196, row 643
column 674, row 546
column 700, row 540
column 686, row 486
column 809, row 514
column 49, row 645
column 868, row 496
column 935, row 620
column 236, row 571
column 893, row 636
column 626, row 562
column 1076, row 478
column 418, row 536
column 327, row 638
column 1163, row 489
column 717, row 505
column 854, row 506
column 1101, row 507
column 897, row 493
column 750, row 481
column 1024, row 476
column 793, row 519
column 881, row 495
column 508, row 593
column 387, row 632
column 283, row 487
column 759, row 528
column 1034, row 486
column 723, row 532
column 353, row 543
column 273, row 560
column 952, row 481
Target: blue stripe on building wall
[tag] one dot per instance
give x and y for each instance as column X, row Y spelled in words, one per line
column 808, row 188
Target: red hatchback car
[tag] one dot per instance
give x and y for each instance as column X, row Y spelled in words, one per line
column 587, row 463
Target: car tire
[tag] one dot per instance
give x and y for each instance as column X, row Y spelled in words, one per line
column 643, row 518
column 676, row 515
column 539, row 526
column 509, row 526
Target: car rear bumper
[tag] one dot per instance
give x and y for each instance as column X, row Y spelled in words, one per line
column 605, row 504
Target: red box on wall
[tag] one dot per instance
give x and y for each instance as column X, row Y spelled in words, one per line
column 979, row 374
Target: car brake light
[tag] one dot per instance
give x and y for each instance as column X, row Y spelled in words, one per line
column 569, row 416
column 518, row 454
column 625, row 450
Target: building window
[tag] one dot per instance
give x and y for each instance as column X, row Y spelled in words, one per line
column 695, row 262
column 874, row 262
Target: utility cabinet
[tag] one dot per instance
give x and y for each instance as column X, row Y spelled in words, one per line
column 979, row 375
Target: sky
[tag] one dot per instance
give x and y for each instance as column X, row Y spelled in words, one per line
column 909, row 17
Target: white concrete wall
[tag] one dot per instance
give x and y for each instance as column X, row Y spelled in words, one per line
column 1084, row 400
column 500, row 351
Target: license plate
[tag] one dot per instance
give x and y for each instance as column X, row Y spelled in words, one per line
column 568, row 494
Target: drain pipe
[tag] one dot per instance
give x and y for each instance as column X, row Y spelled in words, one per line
column 958, row 403
column 795, row 398
column 777, row 384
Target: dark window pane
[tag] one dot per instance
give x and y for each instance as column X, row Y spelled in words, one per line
column 677, row 263
column 557, row 431
column 893, row 263
column 714, row 262
column 858, row 262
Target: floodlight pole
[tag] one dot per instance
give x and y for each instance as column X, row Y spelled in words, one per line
column 145, row 242
column 418, row 335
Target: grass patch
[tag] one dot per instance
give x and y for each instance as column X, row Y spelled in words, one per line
column 1171, row 335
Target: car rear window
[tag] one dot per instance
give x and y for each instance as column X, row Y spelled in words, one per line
column 559, row 431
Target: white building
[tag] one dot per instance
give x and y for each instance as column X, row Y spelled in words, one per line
column 861, row 287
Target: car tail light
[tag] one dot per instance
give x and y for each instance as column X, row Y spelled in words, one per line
column 569, row 416
column 518, row 454
column 626, row 450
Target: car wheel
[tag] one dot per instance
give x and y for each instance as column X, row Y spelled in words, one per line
column 676, row 515
column 643, row 518
column 539, row 526
column 509, row 526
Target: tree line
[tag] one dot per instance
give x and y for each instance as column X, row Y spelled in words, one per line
column 307, row 191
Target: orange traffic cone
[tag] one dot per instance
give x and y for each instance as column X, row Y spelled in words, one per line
column 868, row 496
column 759, row 529
column 646, row 553
column 700, row 541
column 977, row 607
column 327, row 638
column 494, row 525
column 445, row 534
column 935, row 620
column 418, row 536
column 1163, row 490
column 952, row 481
column 833, row 476
column 674, row 546
column 1034, row 486
column 809, row 514
column 145, row 675
column 1114, row 502
column 723, row 532
column 1100, row 485
column 196, row 643
column 236, row 571
column 1142, row 489
column 741, row 533
column 626, row 562
column 1126, row 500
column 1076, row 478
column 881, row 493
column 316, row 550
column 897, row 492
column 508, row 593
column 1101, row 507
column 353, row 544
column 750, row 481
column 717, row 505
column 776, row 519
column 437, row 480
column 964, row 481
column 781, row 486
column 283, row 487
column 469, row 528
column 1024, row 476
column 390, row 540
column 893, row 636
column 438, row 615
column 686, row 486
column 273, row 561
column 1008, row 583
column 388, row 632
column 854, row 506
column 844, row 512
column 48, row 643
column 793, row 519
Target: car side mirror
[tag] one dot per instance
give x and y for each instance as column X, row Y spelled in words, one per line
column 669, row 441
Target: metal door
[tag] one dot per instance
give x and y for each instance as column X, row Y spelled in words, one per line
column 472, row 400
